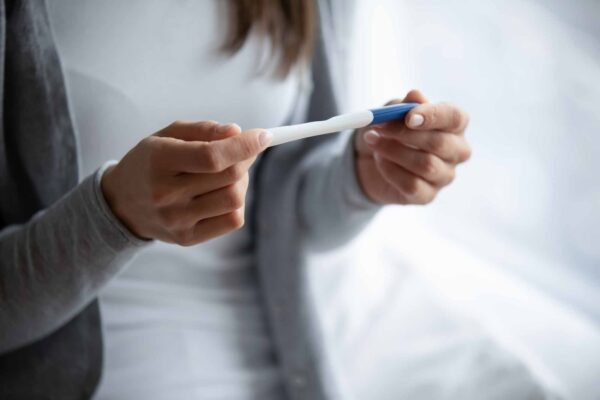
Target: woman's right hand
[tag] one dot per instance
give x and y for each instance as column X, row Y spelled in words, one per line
column 186, row 183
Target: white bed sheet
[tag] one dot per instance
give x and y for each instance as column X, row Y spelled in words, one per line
column 414, row 315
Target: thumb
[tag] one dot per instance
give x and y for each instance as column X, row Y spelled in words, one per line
column 240, row 147
column 364, row 134
column 203, row 131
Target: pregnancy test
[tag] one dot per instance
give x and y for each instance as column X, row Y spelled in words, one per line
column 284, row 134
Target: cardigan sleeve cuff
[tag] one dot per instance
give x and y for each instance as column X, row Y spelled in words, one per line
column 352, row 192
column 125, row 235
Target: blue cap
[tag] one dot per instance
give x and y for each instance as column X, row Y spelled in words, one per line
column 392, row 112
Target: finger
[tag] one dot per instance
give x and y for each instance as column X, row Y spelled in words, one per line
column 209, row 228
column 227, row 130
column 413, row 96
column 241, row 147
column 362, row 138
column 178, row 156
column 217, row 226
column 425, row 165
column 192, row 185
column 198, row 130
column 442, row 117
column 181, row 216
column 411, row 188
column 218, row 202
column 447, row 146
column 205, row 131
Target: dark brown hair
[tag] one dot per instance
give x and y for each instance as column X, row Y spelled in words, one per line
column 289, row 26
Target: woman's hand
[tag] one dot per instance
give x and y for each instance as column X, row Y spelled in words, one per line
column 409, row 163
column 186, row 183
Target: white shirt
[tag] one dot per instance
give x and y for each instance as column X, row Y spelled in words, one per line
column 179, row 323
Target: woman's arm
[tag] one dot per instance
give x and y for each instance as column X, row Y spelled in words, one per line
column 394, row 163
column 185, row 184
column 345, row 182
column 333, row 207
column 53, row 266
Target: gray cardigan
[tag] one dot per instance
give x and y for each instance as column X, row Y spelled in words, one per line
column 60, row 243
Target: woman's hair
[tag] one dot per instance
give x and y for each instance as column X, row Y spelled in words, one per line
column 289, row 25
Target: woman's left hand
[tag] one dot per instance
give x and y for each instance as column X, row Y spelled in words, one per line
column 410, row 162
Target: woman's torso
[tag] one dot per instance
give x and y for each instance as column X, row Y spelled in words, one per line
column 178, row 322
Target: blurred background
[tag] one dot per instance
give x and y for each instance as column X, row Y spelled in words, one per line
column 492, row 291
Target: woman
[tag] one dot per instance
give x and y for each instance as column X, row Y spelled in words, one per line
column 210, row 306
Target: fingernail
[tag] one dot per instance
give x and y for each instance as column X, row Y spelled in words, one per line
column 225, row 128
column 371, row 137
column 415, row 121
column 265, row 138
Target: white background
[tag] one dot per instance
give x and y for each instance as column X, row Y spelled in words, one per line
column 493, row 291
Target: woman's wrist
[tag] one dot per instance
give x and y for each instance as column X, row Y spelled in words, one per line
column 109, row 190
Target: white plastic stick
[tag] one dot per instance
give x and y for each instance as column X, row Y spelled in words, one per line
column 284, row 134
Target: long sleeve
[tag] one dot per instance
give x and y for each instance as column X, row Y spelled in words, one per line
column 52, row 266
column 334, row 208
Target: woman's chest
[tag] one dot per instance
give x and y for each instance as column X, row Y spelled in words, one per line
column 134, row 66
